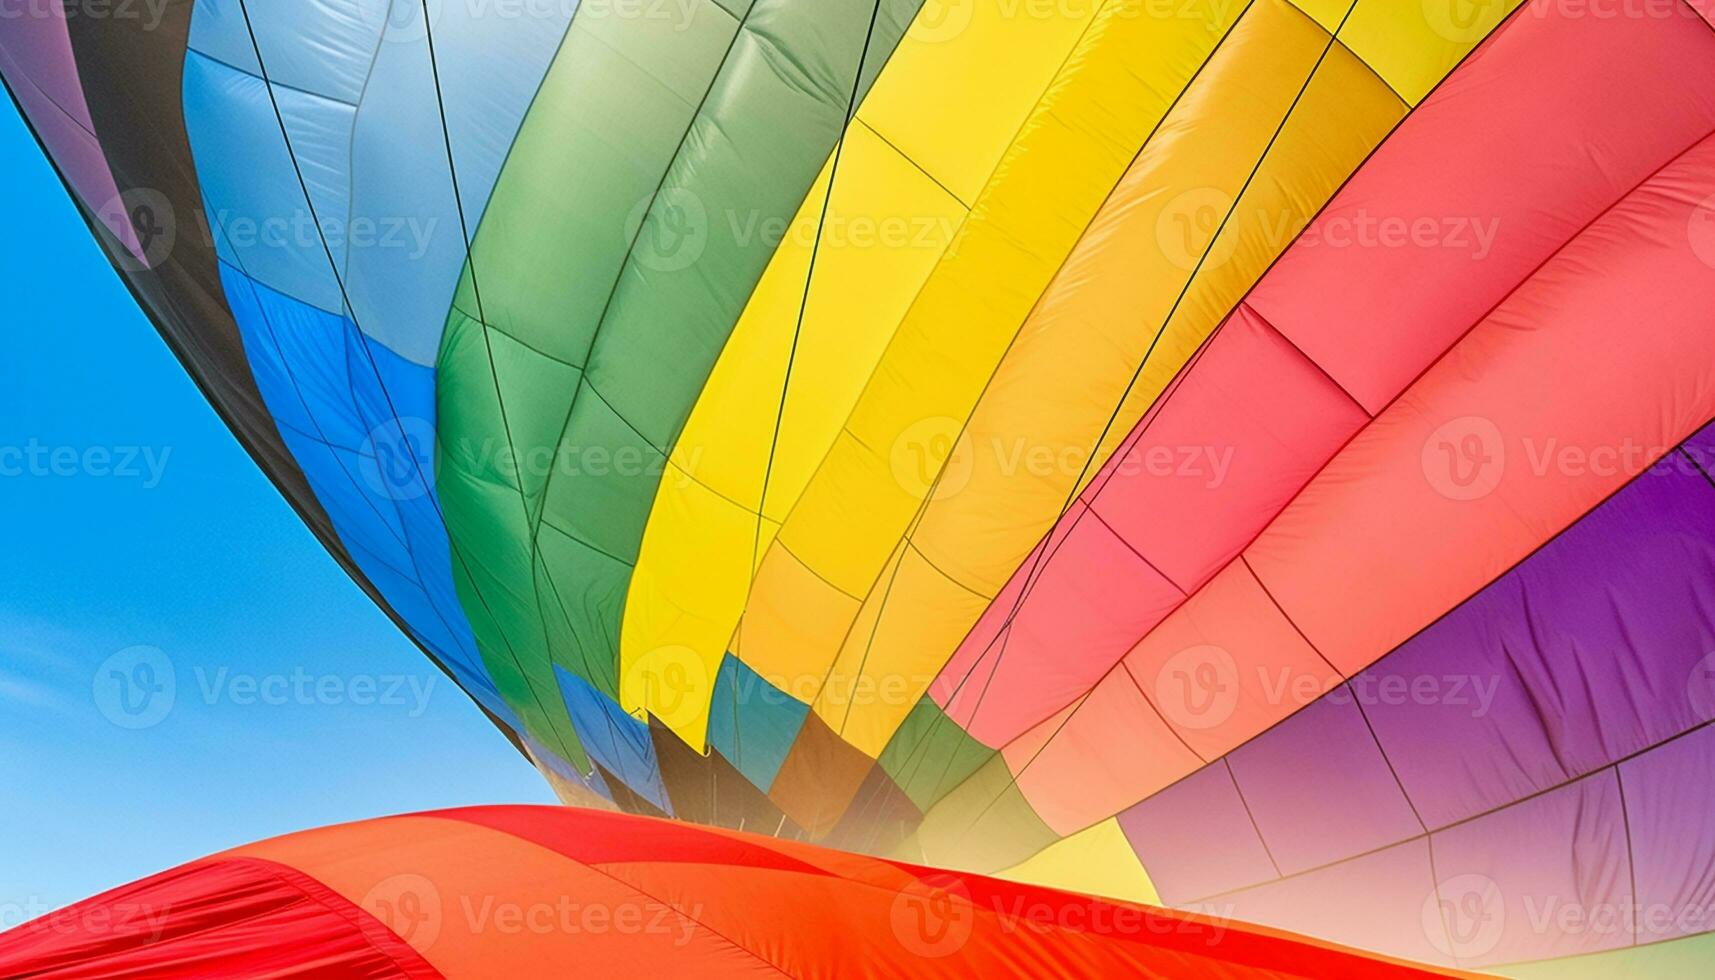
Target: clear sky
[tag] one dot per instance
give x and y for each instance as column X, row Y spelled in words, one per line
column 133, row 519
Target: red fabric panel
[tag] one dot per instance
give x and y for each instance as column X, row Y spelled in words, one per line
column 230, row 918
column 867, row 917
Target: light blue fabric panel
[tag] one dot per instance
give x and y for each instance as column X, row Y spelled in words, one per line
column 358, row 95
column 254, row 203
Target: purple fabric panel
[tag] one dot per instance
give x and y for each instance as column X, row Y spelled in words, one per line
column 1383, row 902
column 1670, row 805
column 1196, row 839
column 37, row 61
column 1543, row 879
column 1319, row 789
column 1578, row 658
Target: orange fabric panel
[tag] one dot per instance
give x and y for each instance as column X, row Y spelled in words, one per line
column 479, row 903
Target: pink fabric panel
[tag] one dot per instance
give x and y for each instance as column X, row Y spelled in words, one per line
column 1487, row 179
column 37, row 60
column 1243, row 433
column 1579, row 381
column 1225, row 666
column 1061, row 643
column 1089, row 770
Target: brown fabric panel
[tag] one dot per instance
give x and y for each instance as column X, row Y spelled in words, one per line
column 710, row 789
column 880, row 817
column 821, row 776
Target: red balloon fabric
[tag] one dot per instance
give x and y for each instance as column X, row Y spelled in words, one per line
column 508, row 892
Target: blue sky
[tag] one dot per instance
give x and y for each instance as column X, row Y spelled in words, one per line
column 139, row 534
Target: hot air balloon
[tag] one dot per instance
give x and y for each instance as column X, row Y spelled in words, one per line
column 551, row 891
column 1242, row 456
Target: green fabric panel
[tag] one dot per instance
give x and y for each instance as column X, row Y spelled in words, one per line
column 931, row 754
column 596, row 143
column 769, row 123
column 984, row 825
column 475, row 475
column 616, row 255
column 1679, row 959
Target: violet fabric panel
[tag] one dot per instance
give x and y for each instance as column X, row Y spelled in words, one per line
column 1173, row 831
column 1592, row 651
column 36, row 55
column 1670, row 803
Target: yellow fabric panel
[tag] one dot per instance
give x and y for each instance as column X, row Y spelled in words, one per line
column 964, row 79
column 1027, row 441
column 1344, row 113
column 1115, row 88
column 1098, row 861
column 887, row 224
column 1411, row 45
column 1414, row 45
